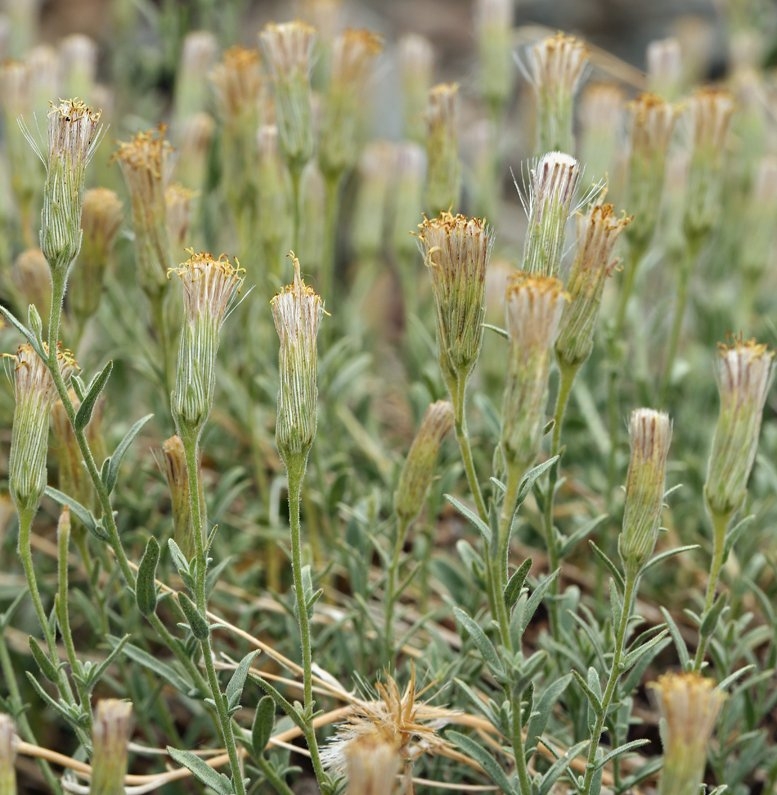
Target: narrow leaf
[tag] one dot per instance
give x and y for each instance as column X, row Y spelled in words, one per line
column 609, row 565
column 482, row 527
column 24, row 331
column 93, row 392
column 120, row 451
column 515, row 583
column 84, row 515
column 218, row 782
column 484, row 645
column 145, row 585
column 264, row 720
column 484, row 758
column 197, row 621
column 237, row 681
column 47, row 667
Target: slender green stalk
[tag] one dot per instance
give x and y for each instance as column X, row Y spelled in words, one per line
column 458, row 392
column 191, row 452
column 296, row 472
column 295, row 172
column 331, row 215
column 629, row 595
column 390, row 597
column 161, row 325
column 692, row 247
column 20, row 714
column 499, row 561
column 720, row 523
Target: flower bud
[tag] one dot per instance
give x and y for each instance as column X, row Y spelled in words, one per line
column 555, row 68
column 650, row 433
column 493, row 34
column 744, row 374
column 34, row 393
column 101, row 218
column 709, row 111
column 143, row 162
column 111, row 729
column 456, row 250
column 297, row 312
column 287, row 51
column 198, row 54
column 78, row 60
column 553, row 183
column 421, row 461
column 273, row 197
column 665, row 68
column 209, row 289
column 173, row 465
column 533, row 309
column 194, row 137
column 689, row 705
column 73, row 134
column 343, row 107
column 652, row 122
column 31, row 278
column 593, row 263
column 443, row 176
column 416, row 73
column 8, row 741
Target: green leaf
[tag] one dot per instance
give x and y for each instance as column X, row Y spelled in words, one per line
column 484, row 645
column 7, row 616
column 93, row 675
column 179, row 559
column 541, row 714
column 153, row 664
column 609, row 565
column 218, row 782
column 669, row 553
column 237, row 681
column 710, row 620
column 264, row 720
column 593, row 698
column 533, row 602
column 570, row 542
column 93, row 392
column 496, row 329
column 484, row 758
column 620, row 751
column 634, row 655
column 47, row 667
column 197, row 621
column 558, row 767
column 481, row 526
column 515, row 583
column 677, row 639
column 24, row 331
column 531, row 477
column 145, row 585
column 84, row 515
column 118, row 454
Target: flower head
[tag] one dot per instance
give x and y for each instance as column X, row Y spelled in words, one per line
column 665, row 68
column 8, row 741
column 456, row 250
column 555, row 69
column 650, row 433
column 493, row 31
column 73, row 134
column 600, row 229
column 143, row 161
column 287, row 52
column 443, row 178
column 744, row 373
column 237, row 83
column 31, row 277
column 297, row 311
column 111, row 729
column 689, row 705
column 552, row 186
column 533, row 309
column 371, row 765
column 416, row 72
column 34, row 392
column 173, row 464
column 209, row 289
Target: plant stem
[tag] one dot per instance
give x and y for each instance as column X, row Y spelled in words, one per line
column 295, row 172
column 719, row 526
column 457, row 387
column 191, row 453
column 629, row 595
column 390, row 597
column 295, row 468
column 636, row 255
column 331, row 213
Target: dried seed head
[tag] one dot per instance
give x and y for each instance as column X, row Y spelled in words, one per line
column 709, row 113
column 101, row 217
column 73, row 134
column 143, row 161
column 397, row 720
column 371, row 766
column 34, row 393
column 443, row 180
column 652, row 123
column 650, row 433
column 8, row 742
column 209, row 289
column 599, row 232
column 31, row 278
column 744, row 374
column 665, row 68
column 421, row 461
column 456, row 250
column 173, row 464
column 237, row 83
column 111, row 730
column 553, row 184
column 689, row 704
column 344, row 103
column 416, row 73
column 555, row 69
column 493, row 32
column 533, row 310
column 297, row 311
column 287, row 52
